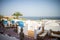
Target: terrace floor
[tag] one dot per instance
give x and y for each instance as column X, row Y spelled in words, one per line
column 11, row 32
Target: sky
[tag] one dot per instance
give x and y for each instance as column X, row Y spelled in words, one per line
column 38, row 8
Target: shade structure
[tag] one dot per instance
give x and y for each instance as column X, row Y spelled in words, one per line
column 21, row 24
column 5, row 22
column 12, row 21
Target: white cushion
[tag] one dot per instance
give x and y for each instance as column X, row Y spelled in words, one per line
column 56, row 35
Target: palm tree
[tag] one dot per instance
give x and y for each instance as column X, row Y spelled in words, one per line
column 17, row 14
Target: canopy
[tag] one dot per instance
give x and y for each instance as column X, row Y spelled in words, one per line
column 12, row 21
column 5, row 22
column 21, row 24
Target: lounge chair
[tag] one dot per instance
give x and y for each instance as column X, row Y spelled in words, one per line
column 42, row 34
column 55, row 34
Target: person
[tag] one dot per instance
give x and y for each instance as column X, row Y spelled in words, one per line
column 21, row 34
column 35, row 34
column 1, row 27
column 38, row 38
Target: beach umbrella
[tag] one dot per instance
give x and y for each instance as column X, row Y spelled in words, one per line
column 21, row 24
column 12, row 21
column 5, row 22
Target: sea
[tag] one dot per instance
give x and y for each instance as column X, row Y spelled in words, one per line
column 39, row 18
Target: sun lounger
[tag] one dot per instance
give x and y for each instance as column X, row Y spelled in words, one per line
column 55, row 34
column 43, row 34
